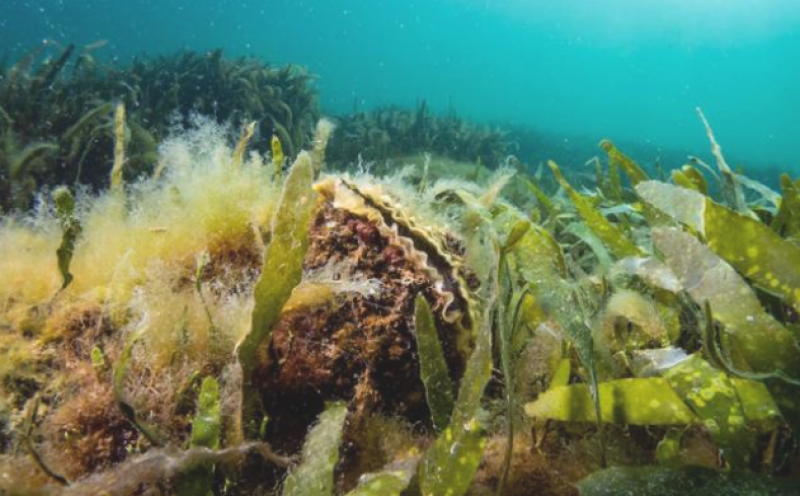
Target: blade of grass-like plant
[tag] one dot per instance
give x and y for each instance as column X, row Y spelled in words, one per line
column 610, row 234
column 392, row 480
column 433, row 368
column 712, row 396
column 635, row 173
column 758, row 341
column 281, row 271
column 205, row 433
column 314, row 475
column 449, row 466
column 625, row 401
column 119, row 148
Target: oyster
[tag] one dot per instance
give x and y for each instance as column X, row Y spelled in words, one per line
column 347, row 331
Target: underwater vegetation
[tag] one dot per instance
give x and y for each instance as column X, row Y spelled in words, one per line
column 393, row 132
column 57, row 105
column 252, row 320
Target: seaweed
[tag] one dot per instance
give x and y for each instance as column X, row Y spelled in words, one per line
column 730, row 189
column 509, row 310
column 392, row 480
column 247, row 134
column 19, row 163
column 712, row 396
column 753, row 249
column 449, row 466
column 545, row 203
column 119, row 147
column 757, row 340
column 689, row 177
column 281, row 270
column 786, row 222
column 34, row 453
column 76, row 108
column 391, row 132
column 721, row 357
column 278, row 157
column 120, row 396
column 70, row 230
column 314, row 475
column 668, row 449
column 659, row 400
column 433, row 368
column 322, row 135
column 611, row 235
column 205, row 434
column 624, row 401
column 635, row 173
column 206, row 425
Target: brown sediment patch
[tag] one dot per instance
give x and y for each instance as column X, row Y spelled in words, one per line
column 531, row 472
column 76, row 328
column 87, row 432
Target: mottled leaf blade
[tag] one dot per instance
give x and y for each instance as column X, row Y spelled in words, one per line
column 757, row 341
column 206, row 429
column 755, row 251
column 625, row 401
column 450, row 464
column 712, row 397
column 752, row 248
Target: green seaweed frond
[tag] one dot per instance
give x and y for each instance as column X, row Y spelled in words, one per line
column 314, row 475
column 284, row 255
column 634, row 172
column 611, row 235
column 433, row 368
column 70, row 230
column 119, row 147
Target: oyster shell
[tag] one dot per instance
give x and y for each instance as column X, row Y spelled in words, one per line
column 351, row 336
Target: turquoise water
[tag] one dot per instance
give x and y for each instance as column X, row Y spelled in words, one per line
column 584, row 68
